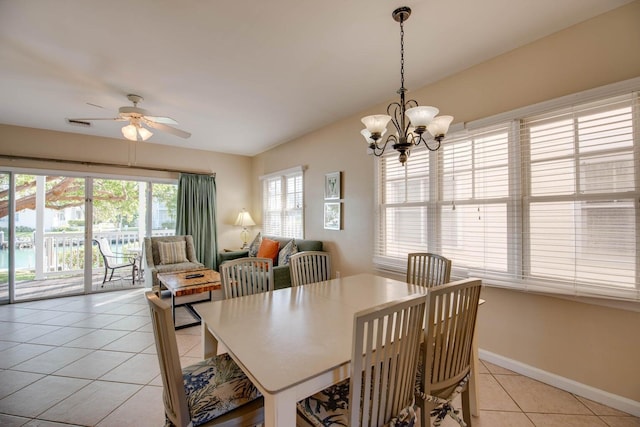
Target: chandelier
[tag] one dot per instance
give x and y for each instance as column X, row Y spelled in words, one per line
column 409, row 132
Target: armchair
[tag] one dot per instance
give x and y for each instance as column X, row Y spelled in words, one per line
column 184, row 261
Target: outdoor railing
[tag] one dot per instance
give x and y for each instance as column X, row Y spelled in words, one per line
column 62, row 253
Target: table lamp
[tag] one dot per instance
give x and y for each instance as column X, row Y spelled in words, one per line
column 244, row 220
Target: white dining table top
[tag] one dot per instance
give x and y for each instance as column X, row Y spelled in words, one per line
column 288, row 336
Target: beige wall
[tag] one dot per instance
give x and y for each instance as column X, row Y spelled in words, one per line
column 590, row 344
column 232, row 172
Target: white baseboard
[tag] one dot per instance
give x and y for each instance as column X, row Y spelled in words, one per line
column 612, row 400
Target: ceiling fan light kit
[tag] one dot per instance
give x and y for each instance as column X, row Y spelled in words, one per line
column 411, row 132
column 137, row 117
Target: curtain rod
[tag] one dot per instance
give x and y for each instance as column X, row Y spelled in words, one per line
column 111, row 165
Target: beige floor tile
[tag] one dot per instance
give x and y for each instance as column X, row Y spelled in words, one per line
column 187, row 342
column 599, row 408
column 501, row 419
column 626, row 421
column 145, row 408
column 44, row 423
column 39, row 396
column 98, row 321
column 493, row 397
column 12, row 420
column 7, row 344
column 133, row 342
column 564, row 420
column 495, row 369
column 12, row 381
column 96, row 339
column 51, row 361
column 130, row 323
column 534, row 396
column 482, row 369
column 127, row 309
column 91, row 404
column 61, row 336
column 20, row 353
column 140, row 369
column 95, row 364
column 23, row 332
column 67, row 319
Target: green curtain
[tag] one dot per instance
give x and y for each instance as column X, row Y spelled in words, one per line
column 196, row 215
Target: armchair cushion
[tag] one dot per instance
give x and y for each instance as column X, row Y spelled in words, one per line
column 172, row 252
column 153, row 260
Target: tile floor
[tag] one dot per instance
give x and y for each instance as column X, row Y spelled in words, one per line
column 90, row 361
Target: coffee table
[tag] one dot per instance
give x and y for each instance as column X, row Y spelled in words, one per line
column 189, row 283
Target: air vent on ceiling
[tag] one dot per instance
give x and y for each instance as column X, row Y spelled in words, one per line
column 80, row 123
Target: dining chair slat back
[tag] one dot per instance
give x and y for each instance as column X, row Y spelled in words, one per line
column 384, row 359
column 309, row 267
column 246, row 276
column 209, row 392
column 451, row 319
column 427, row 269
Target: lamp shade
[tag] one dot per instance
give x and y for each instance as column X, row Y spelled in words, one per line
column 439, row 125
column 421, row 116
column 377, row 123
column 130, row 132
column 144, row 133
column 244, row 219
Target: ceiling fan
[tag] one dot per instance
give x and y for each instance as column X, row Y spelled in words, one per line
column 137, row 117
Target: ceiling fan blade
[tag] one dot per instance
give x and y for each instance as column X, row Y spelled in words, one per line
column 99, row 118
column 165, row 120
column 166, row 128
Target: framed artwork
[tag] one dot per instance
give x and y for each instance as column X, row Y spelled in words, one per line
column 332, row 215
column 332, row 186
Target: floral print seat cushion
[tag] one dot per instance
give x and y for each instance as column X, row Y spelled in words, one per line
column 330, row 407
column 216, row 386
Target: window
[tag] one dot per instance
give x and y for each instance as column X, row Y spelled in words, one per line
column 543, row 200
column 282, row 203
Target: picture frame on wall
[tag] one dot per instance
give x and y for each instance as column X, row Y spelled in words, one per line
column 332, row 186
column 332, row 215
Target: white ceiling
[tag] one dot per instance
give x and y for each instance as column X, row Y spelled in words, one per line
column 243, row 76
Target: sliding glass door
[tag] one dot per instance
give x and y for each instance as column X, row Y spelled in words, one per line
column 4, row 236
column 58, row 221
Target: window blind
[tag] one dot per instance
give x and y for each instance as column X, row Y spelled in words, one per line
column 282, row 204
column 546, row 202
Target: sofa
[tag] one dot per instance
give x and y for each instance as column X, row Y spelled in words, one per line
column 281, row 273
column 154, row 261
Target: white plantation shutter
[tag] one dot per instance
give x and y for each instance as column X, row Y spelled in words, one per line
column 282, row 203
column 546, row 201
column 582, row 198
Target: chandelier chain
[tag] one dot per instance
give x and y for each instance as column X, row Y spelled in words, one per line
column 401, row 54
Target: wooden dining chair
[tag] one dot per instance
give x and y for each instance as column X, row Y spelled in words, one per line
column 445, row 363
column 384, row 360
column 309, row 267
column 426, row 269
column 214, row 392
column 246, row 276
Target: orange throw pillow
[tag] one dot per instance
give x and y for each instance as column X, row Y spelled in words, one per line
column 269, row 249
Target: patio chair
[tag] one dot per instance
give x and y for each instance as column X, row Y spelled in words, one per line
column 246, row 276
column 309, row 267
column 113, row 261
column 385, row 350
column 427, row 269
column 212, row 392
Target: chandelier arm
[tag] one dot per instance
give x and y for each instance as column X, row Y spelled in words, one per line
column 396, row 111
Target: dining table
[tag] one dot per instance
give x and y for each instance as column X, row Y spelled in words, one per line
column 294, row 342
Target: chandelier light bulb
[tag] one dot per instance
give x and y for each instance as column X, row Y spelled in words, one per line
column 439, row 126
